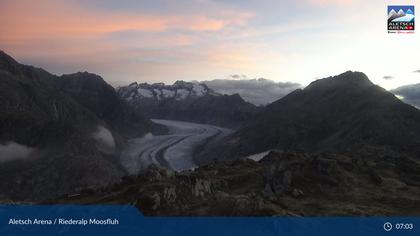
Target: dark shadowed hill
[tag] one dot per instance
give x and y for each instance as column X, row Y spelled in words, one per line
column 94, row 93
column 335, row 113
column 52, row 143
column 34, row 112
column 224, row 110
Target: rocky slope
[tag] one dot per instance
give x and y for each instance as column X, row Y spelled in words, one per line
column 366, row 182
column 336, row 113
column 186, row 101
column 52, row 143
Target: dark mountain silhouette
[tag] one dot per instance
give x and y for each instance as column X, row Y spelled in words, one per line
column 34, row 112
column 74, row 140
column 335, row 113
column 225, row 110
column 94, row 93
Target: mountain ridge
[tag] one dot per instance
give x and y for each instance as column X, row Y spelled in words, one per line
column 187, row 101
column 71, row 145
column 335, row 113
column 94, row 93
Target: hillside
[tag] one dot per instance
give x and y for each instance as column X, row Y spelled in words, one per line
column 52, row 143
column 336, row 113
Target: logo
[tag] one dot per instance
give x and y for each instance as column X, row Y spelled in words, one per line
column 401, row 19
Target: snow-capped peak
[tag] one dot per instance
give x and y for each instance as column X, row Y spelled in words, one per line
column 180, row 90
column 391, row 13
column 401, row 12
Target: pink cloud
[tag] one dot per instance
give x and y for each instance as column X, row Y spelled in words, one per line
column 26, row 20
column 63, row 37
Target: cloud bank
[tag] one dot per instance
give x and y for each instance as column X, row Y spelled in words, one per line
column 14, row 151
column 409, row 94
column 257, row 91
column 105, row 139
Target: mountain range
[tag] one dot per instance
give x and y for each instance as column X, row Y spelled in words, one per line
column 187, row 101
column 340, row 146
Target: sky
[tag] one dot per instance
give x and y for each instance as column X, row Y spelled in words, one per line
column 168, row 40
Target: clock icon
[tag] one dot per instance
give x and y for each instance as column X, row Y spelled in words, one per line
column 387, row 226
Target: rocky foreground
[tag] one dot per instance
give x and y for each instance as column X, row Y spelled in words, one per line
column 282, row 183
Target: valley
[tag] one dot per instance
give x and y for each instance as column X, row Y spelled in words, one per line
column 174, row 150
column 340, row 146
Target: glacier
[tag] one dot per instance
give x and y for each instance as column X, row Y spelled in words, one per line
column 174, row 150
